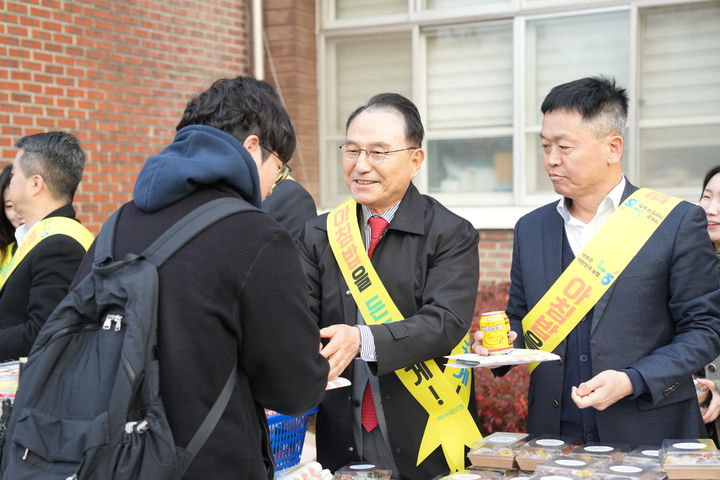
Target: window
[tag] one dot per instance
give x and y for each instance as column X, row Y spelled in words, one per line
column 559, row 50
column 352, row 9
column 457, row 4
column 479, row 69
column 356, row 69
column 679, row 114
column 469, row 108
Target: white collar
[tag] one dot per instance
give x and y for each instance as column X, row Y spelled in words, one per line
column 611, row 201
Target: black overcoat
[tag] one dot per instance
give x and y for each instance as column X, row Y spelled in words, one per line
column 234, row 293
column 35, row 288
column 428, row 261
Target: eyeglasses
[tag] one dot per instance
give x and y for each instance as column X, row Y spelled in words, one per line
column 284, row 171
column 351, row 153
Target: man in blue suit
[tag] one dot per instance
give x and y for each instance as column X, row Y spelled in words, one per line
column 626, row 369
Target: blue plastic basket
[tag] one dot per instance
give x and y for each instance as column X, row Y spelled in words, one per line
column 287, row 435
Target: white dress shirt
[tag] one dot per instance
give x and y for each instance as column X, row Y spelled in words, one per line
column 579, row 233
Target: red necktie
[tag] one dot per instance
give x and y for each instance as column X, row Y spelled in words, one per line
column 368, row 414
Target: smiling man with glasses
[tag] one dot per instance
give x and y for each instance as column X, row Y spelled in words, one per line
column 390, row 342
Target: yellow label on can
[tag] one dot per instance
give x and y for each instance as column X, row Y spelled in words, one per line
column 496, row 332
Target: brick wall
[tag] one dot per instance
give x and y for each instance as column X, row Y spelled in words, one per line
column 290, row 65
column 495, row 249
column 116, row 73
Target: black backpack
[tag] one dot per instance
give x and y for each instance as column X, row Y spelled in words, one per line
column 88, row 405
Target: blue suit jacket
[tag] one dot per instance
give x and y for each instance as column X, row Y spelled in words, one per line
column 660, row 317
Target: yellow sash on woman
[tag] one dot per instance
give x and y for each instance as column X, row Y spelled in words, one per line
column 40, row 231
column 597, row 266
column 7, row 258
column 443, row 394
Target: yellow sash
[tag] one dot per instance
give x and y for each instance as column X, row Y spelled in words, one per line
column 7, row 258
column 442, row 394
column 597, row 266
column 40, row 231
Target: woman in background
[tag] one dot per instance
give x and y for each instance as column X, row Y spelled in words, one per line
column 9, row 219
column 710, row 202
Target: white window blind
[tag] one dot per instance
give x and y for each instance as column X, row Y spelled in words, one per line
column 357, row 68
column 470, row 77
column 369, row 8
column 366, row 66
column 680, row 62
column 563, row 49
column 450, row 4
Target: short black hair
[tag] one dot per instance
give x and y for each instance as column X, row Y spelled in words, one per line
column 244, row 106
column 414, row 131
column 598, row 100
column 55, row 156
column 713, row 171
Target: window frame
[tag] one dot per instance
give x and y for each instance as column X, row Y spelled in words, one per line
column 496, row 210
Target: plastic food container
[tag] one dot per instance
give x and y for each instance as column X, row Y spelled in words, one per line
column 497, row 450
column 362, row 471
column 543, row 448
column 690, row 459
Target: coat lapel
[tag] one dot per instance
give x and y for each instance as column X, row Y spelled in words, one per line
column 601, row 304
column 552, row 239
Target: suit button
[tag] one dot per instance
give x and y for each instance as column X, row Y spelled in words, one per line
column 669, row 390
column 347, row 292
column 386, row 395
column 351, row 449
column 583, row 357
column 398, row 450
column 555, row 403
column 712, row 367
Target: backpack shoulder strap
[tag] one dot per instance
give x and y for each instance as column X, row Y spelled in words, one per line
column 192, row 224
column 208, row 424
column 163, row 248
column 105, row 239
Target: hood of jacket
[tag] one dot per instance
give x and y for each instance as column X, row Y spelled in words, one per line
column 198, row 156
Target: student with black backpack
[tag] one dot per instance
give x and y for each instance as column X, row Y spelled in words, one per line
column 234, row 332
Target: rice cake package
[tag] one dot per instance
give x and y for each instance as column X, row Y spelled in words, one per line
column 609, row 451
column 542, row 448
column 625, row 470
column 362, row 471
column 580, row 466
column 690, row 459
column 553, row 476
column 644, row 454
column 517, row 474
column 472, row 475
column 497, row 450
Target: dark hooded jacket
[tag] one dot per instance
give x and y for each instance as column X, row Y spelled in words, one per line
column 235, row 293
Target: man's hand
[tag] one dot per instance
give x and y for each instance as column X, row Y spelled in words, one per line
column 713, row 408
column 603, row 390
column 477, row 344
column 342, row 348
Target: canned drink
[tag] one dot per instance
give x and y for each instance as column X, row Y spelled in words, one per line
column 496, row 332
